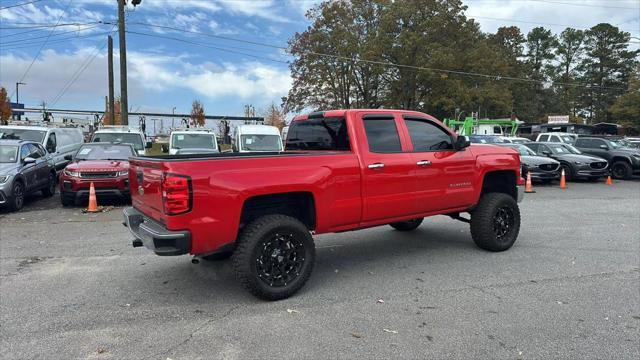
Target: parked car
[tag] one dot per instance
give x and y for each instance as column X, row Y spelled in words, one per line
column 574, row 163
column 514, row 140
column 559, row 137
column 541, row 168
column 58, row 141
column 193, row 142
column 25, row 167
column 342, row 170
column 623, row 162
column 257, row 138
column 485, row 139
column 123, row 135
column 105, row 165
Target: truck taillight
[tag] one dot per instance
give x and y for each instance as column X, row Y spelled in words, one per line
column 176, row 194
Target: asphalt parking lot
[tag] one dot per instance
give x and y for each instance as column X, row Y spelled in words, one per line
column 72, row 287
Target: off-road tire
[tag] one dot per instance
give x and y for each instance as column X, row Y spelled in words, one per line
column 50, row 190
column 407, row 225
column 253, row 241
column 621, row 170
column 484, row 219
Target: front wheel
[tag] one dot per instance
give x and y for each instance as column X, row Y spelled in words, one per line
column 621, row 170
column 495, row 223
column 407, row 225
column 274, row 257
column 568, row 172
column 16, row 201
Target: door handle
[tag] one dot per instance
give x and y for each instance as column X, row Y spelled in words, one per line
column 376, row 166
column 423, row 163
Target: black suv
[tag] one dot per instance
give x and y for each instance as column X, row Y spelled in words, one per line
column 623, row 162
column 574, row 163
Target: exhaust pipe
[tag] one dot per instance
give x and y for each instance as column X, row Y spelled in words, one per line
column 136, row 243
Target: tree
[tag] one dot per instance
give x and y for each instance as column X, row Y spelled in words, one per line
column 626, row 109
column 5, row 107
column 569, row 52
column 197, row 113
column 274, row 116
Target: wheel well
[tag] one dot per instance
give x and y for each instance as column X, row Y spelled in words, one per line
column 503, row 181
column 620, row 158
column 299, row 205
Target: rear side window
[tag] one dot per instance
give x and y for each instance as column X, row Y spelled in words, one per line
column 553, row 138
column 318, row 134
column 425, row 136
column 382, row 135
column 544, row 138
column 589, row 143
column 533, row 146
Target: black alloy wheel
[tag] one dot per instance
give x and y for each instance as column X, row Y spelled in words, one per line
column 17, row 198
column 280, row 259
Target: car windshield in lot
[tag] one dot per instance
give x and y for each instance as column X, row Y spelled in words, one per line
column 261, row 142
column 568, row 139
column 22, row 134
column 485, row 139
column 564, row 149
column 8, row 153
column 193, row 141
column 104, row 152
column 523, row 150
column 125, row 138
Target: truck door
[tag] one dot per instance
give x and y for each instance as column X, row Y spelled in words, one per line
column 443, row 175
column 387, row 169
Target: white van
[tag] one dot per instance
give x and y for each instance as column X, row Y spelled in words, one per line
column 560, row 137
column 124, row 135
column 196, row 141
column 257, row 138
column 59, row 141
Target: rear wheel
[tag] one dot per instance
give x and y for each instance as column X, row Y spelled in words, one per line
column 274, row 257
column 621, row 170
column 407, row 225
column 495, row 223
column 51, row 186
column 16, row 201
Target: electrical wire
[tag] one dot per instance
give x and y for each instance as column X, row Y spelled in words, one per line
column 23, row 4
column 43, row 44
column 40, row 37
column 56, row 41
column 584, row 5
column 536, row 23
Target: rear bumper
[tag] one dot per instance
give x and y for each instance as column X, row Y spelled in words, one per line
column 154, row 236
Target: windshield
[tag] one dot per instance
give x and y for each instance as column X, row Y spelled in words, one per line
column 523, row 150
column 485, row 139
column 261, row 142
column 8, row 153
column 104, row 152
column 568, row 139
column 22, row 134
column 193, row 141
column 564, row 149
column 613, row 144
column 125, row 138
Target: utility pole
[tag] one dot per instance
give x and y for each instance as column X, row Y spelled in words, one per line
column 173, row 111
column 124, row 105
column 18, row 95
column 112, row 112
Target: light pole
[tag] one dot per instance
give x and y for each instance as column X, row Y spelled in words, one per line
column 18, row 95
column 173, row 111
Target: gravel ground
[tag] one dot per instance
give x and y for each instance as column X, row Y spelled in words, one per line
column 72, row 287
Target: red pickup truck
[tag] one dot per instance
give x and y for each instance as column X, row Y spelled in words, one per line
column 342, row 170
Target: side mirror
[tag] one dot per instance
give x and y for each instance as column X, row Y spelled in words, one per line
column 603, row 146
column 461, row 142
column 148, row 145
column 68, row 157
column 165, row 148
column 29, row 160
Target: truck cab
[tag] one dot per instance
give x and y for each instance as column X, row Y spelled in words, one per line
column 257, row 138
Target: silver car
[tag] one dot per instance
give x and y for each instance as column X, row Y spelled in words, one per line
column 25, row 167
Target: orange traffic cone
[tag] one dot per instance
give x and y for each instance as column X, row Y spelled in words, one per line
column 93, row 202
column 609, row 182
column 528, row 188
column 563, row 181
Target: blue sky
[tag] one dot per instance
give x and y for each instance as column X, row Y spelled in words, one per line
column 166, row 73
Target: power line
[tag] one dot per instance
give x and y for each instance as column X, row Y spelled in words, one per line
column 40, row 37
column 43, row 44
column 23, row 4
column 536, row 23
column 374, row 62
column 27, row 44
column 584, row 5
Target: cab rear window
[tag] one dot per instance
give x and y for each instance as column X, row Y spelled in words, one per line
column 318, row 134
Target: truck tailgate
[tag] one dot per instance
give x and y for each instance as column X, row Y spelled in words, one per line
column 146, row 187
